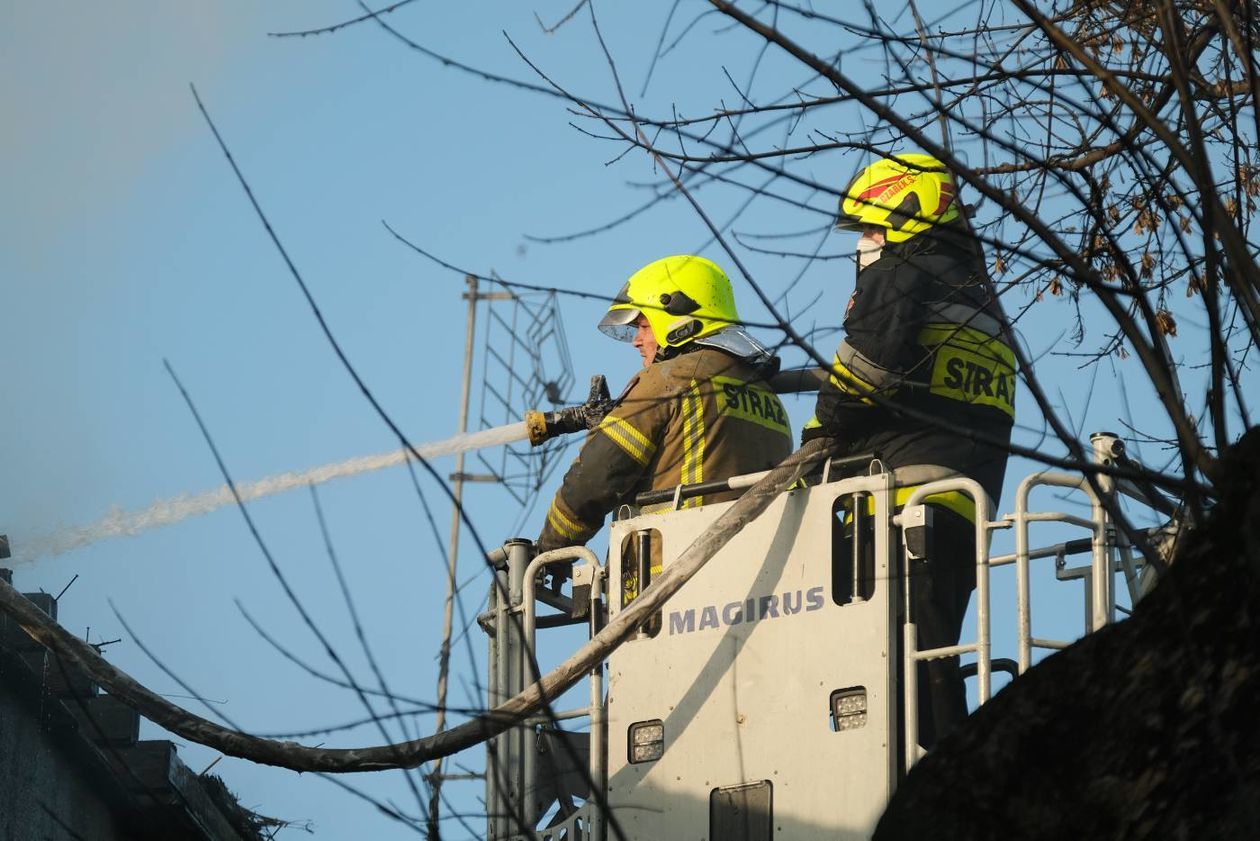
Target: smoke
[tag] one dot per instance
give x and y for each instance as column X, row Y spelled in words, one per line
column 120, row 523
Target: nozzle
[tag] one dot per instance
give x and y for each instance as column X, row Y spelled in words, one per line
column 543, row 426
column 536, row 426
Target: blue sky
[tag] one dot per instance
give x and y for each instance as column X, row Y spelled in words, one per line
column 126, row 241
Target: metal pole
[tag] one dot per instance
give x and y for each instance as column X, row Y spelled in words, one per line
column 599, row 722
column 1100, row 587
column 1107, row 447
column 909, row 645
column 859, row 503
column 495, row 696
column 1023, row 579
column 452, row 555
column 643, row 573
column 520, row 738
column 984, row 646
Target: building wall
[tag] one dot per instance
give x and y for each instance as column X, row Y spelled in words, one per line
column 45, row 791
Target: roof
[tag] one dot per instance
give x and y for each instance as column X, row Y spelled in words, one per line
column 144, row 785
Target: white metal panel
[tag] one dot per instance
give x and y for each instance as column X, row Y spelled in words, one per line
column 744, row 701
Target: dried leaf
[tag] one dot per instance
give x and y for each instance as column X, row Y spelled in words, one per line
column 1250, row 180
column 1165, row 323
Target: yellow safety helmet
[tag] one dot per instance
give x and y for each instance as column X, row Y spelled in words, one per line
column 905, row 194
column 683, row 298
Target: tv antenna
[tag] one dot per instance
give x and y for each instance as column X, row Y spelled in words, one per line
column 525, row 365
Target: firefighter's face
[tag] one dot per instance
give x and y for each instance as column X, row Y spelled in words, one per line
column 645, row 341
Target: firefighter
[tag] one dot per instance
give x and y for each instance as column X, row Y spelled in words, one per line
column 699, row 410
column 925, row 379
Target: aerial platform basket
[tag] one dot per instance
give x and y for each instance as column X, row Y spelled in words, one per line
column 773, row 696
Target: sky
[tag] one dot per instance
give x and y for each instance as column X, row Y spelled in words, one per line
column 126, row 244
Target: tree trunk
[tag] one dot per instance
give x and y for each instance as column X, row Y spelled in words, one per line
column 1146, row 729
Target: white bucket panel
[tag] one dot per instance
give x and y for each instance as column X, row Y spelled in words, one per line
column 743, row 687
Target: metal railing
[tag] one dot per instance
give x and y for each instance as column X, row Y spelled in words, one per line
column 914, row 514
column 513, row 624
column 1100, row 593
column 1110, row 553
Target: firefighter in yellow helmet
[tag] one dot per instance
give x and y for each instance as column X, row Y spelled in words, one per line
column 699, row 410
column 925, row 379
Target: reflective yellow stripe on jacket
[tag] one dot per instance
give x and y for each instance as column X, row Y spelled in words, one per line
column 693, row 441
column 562, row 523
column 632, row 441
column 849, row 382
column 971, row 366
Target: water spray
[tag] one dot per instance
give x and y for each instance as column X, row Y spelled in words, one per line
column 120, row 523
column 538, row 427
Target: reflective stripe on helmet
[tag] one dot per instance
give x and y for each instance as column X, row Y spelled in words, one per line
column 905, row 194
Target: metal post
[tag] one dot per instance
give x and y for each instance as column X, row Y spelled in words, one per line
column 1107, row 449
column 984, row 645
column 910, row 685
column 513, row 649
column 599, row 723
column 1100, row 587
column 643, row 573
column 909, row 648
column 494, row 746
column 1023, row 585
column 859, row 503
column 885, row 572
column 452, row 555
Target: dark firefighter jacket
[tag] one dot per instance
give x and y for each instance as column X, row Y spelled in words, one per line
column 699, row 416
column 925, row 340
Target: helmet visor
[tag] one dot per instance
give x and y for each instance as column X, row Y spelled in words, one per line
column 618, row 322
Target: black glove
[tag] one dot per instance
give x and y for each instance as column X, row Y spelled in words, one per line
column 545, row 426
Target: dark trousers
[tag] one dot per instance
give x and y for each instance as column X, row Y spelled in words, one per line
column 940, row 588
